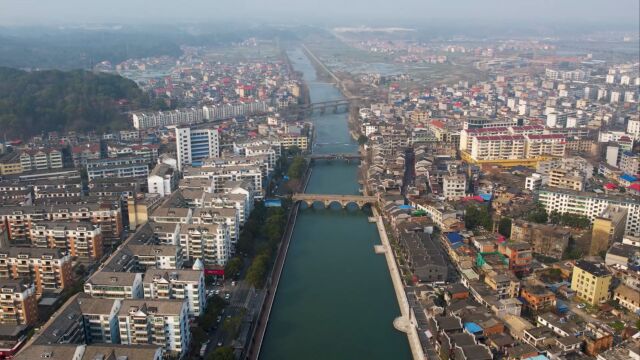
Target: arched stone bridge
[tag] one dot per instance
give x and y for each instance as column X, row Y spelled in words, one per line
column 328, row 199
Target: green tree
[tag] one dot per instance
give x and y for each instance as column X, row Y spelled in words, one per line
column 538, row 214
column 257, row 271
column 222, row 353
column 476, row 216
column 504, row 227
column 362, row 140
column 297, row 167
column 294, row 150
column 233, row 266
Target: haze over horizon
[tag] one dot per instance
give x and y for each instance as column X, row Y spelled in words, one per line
column 60, row 12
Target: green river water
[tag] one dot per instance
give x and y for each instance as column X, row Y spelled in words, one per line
column 335, row 299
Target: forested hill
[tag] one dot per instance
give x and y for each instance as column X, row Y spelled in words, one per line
column 40, row 101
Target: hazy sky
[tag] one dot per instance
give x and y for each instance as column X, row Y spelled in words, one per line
column 30, row 12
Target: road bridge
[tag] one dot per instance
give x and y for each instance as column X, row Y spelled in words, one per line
column 322, row 107
column 334, row 157
column 328, row 199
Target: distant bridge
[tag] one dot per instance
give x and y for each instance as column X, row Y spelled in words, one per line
column 335, row 157
column 322, row 107
column 328, row 199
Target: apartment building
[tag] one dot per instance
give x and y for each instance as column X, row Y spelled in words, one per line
column 90, row 352
column 40, row 159
column 194, row 145
column 48, row 269
column 566, row 179
column 80, row 239
column 545, row 144
column 608, row 227
column 19, row 220
column 454, row 186
column 519, row 255
column 18, row 302
column 548, row 240
column 157, row 256
column 162, row 180
column 591, row 281
column 590, row 205
column 498, row 147
column 227, row 111
column 223, row 174
column 220, row 215
column 10, row 164
column 299, row 141
column 209, row 242
column 143, row 121
column 100, row 319
column 177, row 284
column 538, row 297
column 114, row 285
column 159, row 322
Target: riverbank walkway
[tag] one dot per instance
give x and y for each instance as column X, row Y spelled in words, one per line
column 406, row 322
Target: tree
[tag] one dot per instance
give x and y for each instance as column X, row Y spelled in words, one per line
column 294, row 150
column 504, row 227
column 257, row 271
column 233, row 266
column 362, row 140
column 477, row 216
column 222, row 353
column 297, row 167
column 538, row 214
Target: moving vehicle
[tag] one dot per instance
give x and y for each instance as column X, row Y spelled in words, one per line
column 203, row 349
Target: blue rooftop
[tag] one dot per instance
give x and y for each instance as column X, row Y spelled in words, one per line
column 537, row 357
column 472, row 327
column 454, row 237
column 629, row 178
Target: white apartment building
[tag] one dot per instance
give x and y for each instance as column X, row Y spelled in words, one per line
column 209, row 242
column 100, row 319
column 232, row 200
column 633, row 129
column 454, row 186
column 118, row 171
column 220, row 215
column 114, row 285
column 545, row 144
column 533, row 182
column 159, row 322
column 143, row 121
column 40, row 159
column 193, row 145
column 227, row 111
column 162, row 180
column 223, row 174
column 590, row 205
column 177, row 284
column 498, row 147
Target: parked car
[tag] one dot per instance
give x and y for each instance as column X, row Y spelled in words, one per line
column 581, row 306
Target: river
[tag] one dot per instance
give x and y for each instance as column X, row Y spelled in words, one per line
column 335, row 299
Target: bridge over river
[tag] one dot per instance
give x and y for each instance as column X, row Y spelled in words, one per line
column 328, row 199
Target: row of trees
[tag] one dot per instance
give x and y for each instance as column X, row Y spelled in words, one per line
column 567, row 219
column 297, row 168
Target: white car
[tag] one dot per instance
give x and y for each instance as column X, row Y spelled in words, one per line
column 227, row 296
column 581, row 306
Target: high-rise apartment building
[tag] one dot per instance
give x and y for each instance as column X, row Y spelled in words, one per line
column 193, row 145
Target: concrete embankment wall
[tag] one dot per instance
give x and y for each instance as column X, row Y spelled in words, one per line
column 406, row 322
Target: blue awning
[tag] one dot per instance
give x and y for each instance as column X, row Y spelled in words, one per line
column 454, row 237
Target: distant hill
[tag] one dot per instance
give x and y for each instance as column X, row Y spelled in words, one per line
column 35, row 102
